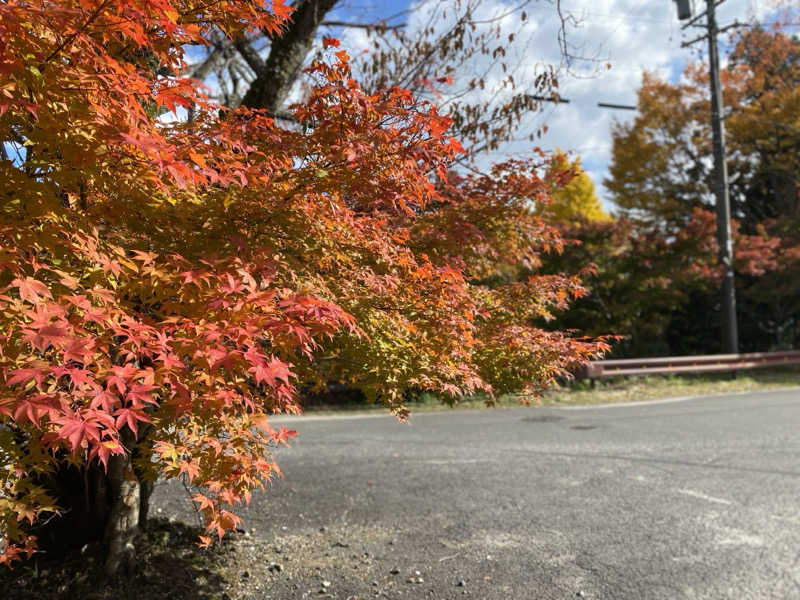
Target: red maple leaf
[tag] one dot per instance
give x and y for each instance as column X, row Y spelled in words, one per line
column 75, row 430
column 25, row 375
column 271, row 372
column 31, row 289
column 130, row 417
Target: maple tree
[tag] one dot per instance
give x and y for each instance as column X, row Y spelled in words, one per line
column 468, row 56
column 168, row 284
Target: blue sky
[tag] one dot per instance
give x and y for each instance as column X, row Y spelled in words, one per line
column 630, row 35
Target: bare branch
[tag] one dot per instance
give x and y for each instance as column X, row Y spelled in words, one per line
column 249, row 55
column 211, row 62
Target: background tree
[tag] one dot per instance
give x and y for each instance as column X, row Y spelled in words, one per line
column 577, row 200
column 167, row 284
column 657, row 291
column 660, row 166
column 763, row 92
column 660, row 178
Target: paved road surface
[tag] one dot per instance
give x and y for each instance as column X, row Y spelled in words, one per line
column 691, row 499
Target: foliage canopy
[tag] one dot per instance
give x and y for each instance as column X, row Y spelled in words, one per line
column 167, row 284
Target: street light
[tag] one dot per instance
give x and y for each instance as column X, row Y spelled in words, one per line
column 685, row 9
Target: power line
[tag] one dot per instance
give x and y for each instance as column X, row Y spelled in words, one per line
column 617, row 106
column 560, row 100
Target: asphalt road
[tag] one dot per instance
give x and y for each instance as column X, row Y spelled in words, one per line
column 690, row 499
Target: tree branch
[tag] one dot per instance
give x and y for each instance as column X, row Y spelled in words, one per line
column 249, row 55
column 287, row 53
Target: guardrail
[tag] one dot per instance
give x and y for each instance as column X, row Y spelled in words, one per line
column 687, row 364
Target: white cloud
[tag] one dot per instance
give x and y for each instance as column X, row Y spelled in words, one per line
column 631, row 35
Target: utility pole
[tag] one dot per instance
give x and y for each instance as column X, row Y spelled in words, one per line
column 730, row 334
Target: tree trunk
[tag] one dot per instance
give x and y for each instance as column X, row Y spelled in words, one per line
column 97, row 506
column 272, row 84
column 145, row 491
column 123, row 520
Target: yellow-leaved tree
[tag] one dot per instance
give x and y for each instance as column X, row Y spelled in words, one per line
column 577, row 200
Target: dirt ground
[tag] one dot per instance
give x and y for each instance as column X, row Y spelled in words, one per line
column 346, row 563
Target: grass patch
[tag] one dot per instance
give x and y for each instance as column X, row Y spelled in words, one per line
column 608, row 391
column 655, row 387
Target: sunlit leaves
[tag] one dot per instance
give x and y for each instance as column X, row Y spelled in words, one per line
column 167, row 285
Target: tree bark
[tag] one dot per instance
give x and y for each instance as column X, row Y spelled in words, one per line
column 274, row 81
column 145, row 491
column 97, row 505
column 123, row 521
